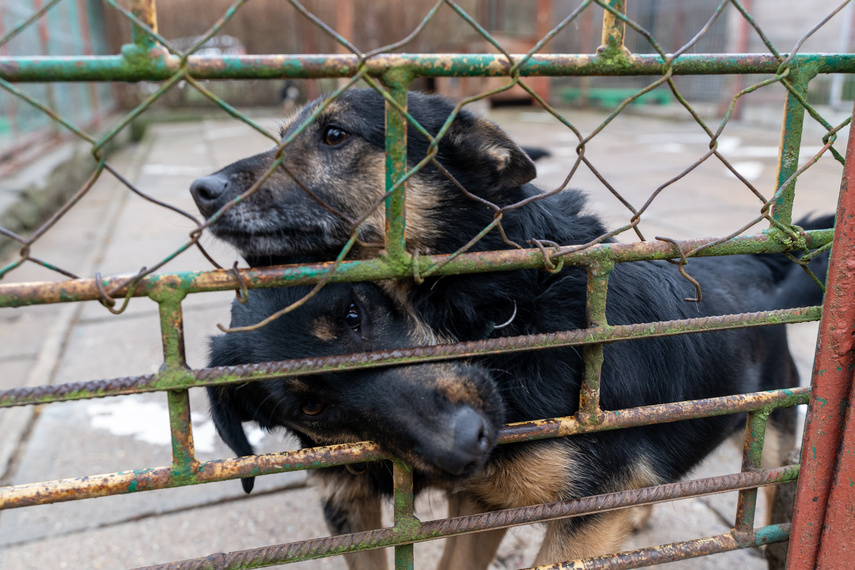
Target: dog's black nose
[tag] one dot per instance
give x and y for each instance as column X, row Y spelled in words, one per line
column 209, row 193
column 470, row 443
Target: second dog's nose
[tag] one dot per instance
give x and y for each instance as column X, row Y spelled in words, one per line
column 470, row 443
column 209, row 193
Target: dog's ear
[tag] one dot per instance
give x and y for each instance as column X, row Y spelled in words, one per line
column 489, row 155
column 230, row 428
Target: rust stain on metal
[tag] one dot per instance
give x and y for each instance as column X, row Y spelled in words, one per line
column 162, row 477
column 20, row 294
column 166, row 379
column 63, row 490
column 831, row 386
column 335, row 545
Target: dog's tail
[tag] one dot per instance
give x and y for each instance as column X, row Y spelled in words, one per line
column 794, row 287
column 230, row 428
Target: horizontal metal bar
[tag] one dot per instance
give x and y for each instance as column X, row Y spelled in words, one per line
column 431, row 530
column 675, row 551
column 158, row 65
column 164, row 477
column 172, row 379
column 655, row 414
column 20, row 294
column 123, row 482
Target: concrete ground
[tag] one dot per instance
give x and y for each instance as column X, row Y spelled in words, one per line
column 113, row 231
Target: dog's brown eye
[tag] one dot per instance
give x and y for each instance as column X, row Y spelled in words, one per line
column 313, row 408
column 334, row 136
column 353, row 318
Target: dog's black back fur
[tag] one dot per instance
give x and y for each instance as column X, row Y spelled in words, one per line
column 526, row 386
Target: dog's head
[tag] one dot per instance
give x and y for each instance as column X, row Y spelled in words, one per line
column 441, row 417
column 333, row 173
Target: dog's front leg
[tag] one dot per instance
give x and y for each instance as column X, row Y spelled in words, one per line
column 352, row 504
column 593, row 535
column 473, row 551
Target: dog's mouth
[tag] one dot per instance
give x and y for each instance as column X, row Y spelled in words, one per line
column 266, row 240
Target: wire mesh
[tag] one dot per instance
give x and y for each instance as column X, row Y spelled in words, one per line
column 664, row 69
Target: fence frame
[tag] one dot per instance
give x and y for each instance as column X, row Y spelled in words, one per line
column 825, row 498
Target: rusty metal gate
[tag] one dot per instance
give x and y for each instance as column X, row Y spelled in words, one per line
column 823, row 524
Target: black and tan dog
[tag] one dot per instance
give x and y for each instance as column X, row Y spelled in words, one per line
column 444, row 417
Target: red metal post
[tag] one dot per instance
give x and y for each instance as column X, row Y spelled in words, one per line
column 831, row 387
column 837, row 546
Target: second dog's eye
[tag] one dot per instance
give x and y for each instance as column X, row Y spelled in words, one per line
column 334, row 136
column 353, row 318
column 312, row 408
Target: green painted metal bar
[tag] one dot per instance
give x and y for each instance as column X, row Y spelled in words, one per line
column 396, row 168
column 146, row 12
column 405, row 520
column 755, row 437
column 614, row 30
column 788, row 157
column 598, row 286
column 161, row 66
column 21, row 294
column 168, row 380
column 184, row 461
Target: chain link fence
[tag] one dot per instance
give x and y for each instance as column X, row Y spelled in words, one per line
column 659, row 66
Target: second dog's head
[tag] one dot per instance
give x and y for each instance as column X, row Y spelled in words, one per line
column 442, row 417
column 333, row 173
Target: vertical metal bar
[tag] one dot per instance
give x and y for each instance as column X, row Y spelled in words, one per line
column 184, row 460
column 83, row 30
column 837, row 544
column 835, row 97
column 405, row 519
column 755, row 436
column 11, row 107
column 44, row 40
column 614, row 29
column 144, row 10
column 791, row 139
column 396, row 166
column 598, row 285
column 344, row 26
column 831, row 383
column 172, row 334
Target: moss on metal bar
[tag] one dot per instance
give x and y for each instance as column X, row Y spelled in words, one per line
column 21, row 294
column 158, row 65
column 173, row 380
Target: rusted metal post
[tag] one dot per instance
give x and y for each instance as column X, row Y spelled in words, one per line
column 147, row 13
column 791, row 140
column 396, row 167
column 755, row 435
column 405, row 519
column 589, row 395
column 184, row 462
column 837, row 545
column 831, row 386
column 614, row 29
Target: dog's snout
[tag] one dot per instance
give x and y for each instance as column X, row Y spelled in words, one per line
column 209, row 193
column 470, row 446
